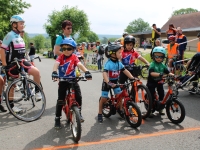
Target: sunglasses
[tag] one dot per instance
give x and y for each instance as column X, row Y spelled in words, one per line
column 162, row 57
column 68, row 49
column 69, row 28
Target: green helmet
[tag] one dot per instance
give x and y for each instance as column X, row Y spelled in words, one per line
column 159, row 49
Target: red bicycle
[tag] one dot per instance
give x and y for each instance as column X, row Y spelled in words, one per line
column 71, row 108
column 132, row 112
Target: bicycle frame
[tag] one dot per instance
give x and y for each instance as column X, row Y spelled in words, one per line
column 134, row 85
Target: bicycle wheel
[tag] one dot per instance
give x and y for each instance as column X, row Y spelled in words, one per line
column 144, row 72
column 144, row 100
column 23, row 98
column 75, row 123
column 107, row 108
column 175, row 111
column 134, row 118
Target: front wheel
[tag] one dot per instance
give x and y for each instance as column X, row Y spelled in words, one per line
column 175, row 111
column 133, row 115
column 75, row 123
column 107, row 108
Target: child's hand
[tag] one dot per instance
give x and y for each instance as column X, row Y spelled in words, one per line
column 171, row 74
column 88, row 75
column 111, row 84
column 54, row 75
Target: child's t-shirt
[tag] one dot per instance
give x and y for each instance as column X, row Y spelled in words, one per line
column 67, row 66
column 159, row 68
column 129, row 57
column 113, row 68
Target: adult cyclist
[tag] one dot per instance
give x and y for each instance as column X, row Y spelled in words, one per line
column 13, row 46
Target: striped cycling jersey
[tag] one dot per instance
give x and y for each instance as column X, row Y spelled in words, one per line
column 14, row 46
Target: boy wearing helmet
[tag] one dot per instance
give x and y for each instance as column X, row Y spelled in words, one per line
column 110, row 76
column 198, row 44
column 13, row 46
column 172, row 50
column 129, row 56
column 156, row 71
column 66, row 64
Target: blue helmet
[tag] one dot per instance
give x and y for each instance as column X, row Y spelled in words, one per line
column 68, row 41
column 159, row 49
column 16, row 18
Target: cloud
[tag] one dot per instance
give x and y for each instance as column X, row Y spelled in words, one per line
column 105, row 16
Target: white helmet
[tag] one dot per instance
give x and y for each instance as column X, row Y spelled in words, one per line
column 16, row 18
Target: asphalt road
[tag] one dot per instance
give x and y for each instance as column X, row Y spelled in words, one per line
column 114, row 133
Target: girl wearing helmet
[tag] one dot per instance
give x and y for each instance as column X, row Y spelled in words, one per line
column 66, row 64
column 172, row 50
column 156, row 71
column 14, row 47
column 129, row 56
column 111, row 72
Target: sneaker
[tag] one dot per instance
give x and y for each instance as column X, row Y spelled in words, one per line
column 100, row 118
column 161, row 112
column 192, row 90
column 38, row 96
column 2, row 109
column 57, row 123
column 151, row 115
column 121, row 113
column 17, row 110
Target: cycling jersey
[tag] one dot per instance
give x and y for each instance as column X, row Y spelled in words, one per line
column 113, row 68
column 14, row 46
column 129, row 57
column 67, row 66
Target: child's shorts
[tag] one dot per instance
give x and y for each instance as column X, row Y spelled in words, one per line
column 106, row 88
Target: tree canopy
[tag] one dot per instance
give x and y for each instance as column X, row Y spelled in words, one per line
column 8, row 9
column 78, row 18
column 39, row 41
column 184, row 11
column 138, row 25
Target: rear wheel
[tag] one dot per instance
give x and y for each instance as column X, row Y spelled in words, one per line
column 144, row 72
column 175, row 111
column 75, row 123
column 134, row 117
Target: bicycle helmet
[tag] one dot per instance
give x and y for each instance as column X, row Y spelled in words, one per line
column 198, row 35
column 113, row 48
column 128, row 39
column 171, row 38
column 159, row 49
column 16, row 18
column 68, row 41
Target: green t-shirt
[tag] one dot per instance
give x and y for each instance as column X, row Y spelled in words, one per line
column 159, row 68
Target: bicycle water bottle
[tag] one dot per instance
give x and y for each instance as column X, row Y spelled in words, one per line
column 77, row 73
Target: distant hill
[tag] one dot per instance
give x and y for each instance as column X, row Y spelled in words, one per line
column 31, row 35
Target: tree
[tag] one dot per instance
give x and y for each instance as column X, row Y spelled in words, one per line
column 82, row 39
column 184, row 11
column 39, row 42
column 113, row 39
column 78, row 18
column 104, row 40
column 47, row 43
column 92, row 37
column 138, row 25
column 8, row 9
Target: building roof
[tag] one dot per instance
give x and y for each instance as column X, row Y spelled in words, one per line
column 184, row 21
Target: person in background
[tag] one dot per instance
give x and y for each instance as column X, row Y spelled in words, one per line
column 156, row 36
column 32, row 52
column 198, row 44
column 171, row 30
column 122, row 38
column 144, row 44
column 99, row 57
column 181, row 39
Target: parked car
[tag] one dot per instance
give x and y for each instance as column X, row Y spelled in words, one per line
column 45, row 53
column 165, row 42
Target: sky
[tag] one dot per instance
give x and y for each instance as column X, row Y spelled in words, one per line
column 106, row 16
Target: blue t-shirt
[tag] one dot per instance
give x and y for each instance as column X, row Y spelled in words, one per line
column 59, row 40
column 113, row 68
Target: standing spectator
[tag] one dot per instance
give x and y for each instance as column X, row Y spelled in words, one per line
column 171, row 30
column 99, row 57
column 122, row 38
column 157, row 34
column 182, row 41
column 32, row 52
column 144, row 44
column 198, row 44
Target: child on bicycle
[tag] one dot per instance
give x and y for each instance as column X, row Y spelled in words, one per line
column 66, row 64
column 156, row 71
column 172, row 51
column 110, row 76
column 129, row 56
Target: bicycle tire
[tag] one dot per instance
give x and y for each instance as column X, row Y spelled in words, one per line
column 31, row 109
column 145, row 101
column 144, row 72
column 76, row 123
column 169, row 108
column 134, row 111
column 107, row 109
